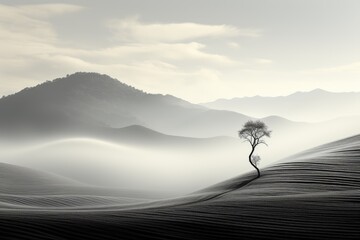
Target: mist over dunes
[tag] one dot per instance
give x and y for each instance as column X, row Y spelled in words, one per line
column 53, row 125
column 95, row 158
column 311, row 195
column 179, row 120
column 33, row 189
column 177, row 169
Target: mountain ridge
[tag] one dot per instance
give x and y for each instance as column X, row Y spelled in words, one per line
column 315, row 90
column 96, row 105
column 90, row 99
column 313, row 106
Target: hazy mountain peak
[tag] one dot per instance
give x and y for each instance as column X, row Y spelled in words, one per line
column 76, row 84
column 91, row 78
column 312, row 92
column 87, row 98
column 311, row 106
column 318, row 90
column 87, row 76
column 94, row 82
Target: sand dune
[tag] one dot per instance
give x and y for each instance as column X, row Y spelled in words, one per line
column 24, row 188
column 177, row 170
column 312, row 195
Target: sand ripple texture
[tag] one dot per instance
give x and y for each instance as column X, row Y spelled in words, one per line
column 311, row 195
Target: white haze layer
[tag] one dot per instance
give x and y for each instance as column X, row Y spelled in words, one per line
column 177, row 169
column 131, row 167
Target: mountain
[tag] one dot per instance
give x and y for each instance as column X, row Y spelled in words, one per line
column 226, row 123
column 315, row 106
column 311, row 195
column 92, row 100
column 96, row 106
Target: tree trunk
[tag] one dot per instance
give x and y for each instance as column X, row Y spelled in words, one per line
column 258, row 171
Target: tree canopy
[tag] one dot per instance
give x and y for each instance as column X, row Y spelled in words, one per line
column 254, row 132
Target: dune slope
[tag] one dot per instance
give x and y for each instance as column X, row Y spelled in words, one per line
column 312, row 195
column 23, row 188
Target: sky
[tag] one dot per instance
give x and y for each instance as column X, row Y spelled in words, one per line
column 198, row 50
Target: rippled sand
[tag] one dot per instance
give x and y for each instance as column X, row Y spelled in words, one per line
column 312, row 195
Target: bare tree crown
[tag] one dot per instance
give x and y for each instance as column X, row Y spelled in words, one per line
column 253, row 132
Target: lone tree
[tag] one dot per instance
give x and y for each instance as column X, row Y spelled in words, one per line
column 254, row 132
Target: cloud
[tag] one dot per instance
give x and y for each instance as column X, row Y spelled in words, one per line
column 263, row 61
column 25, row 23
column 160, row 58
column 37, row 11
column 48, row 10
column 26, row 34
column 172, row 52
column 27, row 27
column 16, row 26
column 132, row 30
column 352, row 67
column 233, row 45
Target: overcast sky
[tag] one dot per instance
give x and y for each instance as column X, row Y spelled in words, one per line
column 198, row 50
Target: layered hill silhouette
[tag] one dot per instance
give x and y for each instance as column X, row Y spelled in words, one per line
column 314, row 106
column 96, row 106
column 84, row 103
column 93, row 100
column 88, row 103
column 95, row 127
column 92, row 105
column 311, row 195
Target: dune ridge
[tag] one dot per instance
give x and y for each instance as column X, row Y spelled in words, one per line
column 311, row 195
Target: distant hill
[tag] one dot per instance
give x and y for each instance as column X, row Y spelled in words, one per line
column 91, row 99
column 317, row 105
column 98, row 106
column 85, row 100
